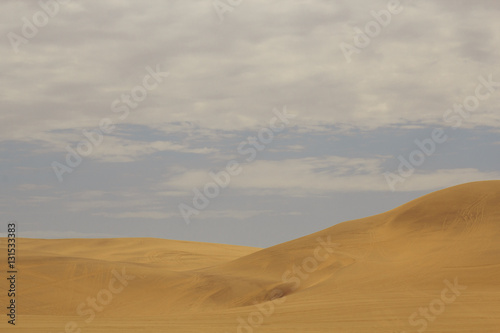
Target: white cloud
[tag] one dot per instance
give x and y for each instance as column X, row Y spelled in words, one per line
column 32, row 187
column 290, row 148
column 242, row 214
column 155, row 215
column 122, row 150
column 225, row 80
column 60, row 234
column 316, row 176
column 217, row 71
column 442, row 178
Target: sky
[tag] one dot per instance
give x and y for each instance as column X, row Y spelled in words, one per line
column 239, row 122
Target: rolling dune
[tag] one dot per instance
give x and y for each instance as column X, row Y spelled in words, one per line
column 431, row 265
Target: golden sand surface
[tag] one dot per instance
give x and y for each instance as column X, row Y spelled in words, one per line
column 431, row 265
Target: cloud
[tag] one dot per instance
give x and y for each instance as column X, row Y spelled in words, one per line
column 289, row 148
column 97, row 201
column 353, row 119
column 317, row 176
column 32, row 187
column 60, row 234
column 295, row 176
column 122, row 150
column 243, row 214
column 218, row 70
column 154, row 215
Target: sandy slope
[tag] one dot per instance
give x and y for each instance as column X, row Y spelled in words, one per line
column 430, row 265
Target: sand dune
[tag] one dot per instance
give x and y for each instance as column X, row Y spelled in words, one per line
column 431, row 265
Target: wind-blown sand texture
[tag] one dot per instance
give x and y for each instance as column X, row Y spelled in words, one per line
column 431, row 265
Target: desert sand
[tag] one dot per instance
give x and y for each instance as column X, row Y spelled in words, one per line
column 431, row 265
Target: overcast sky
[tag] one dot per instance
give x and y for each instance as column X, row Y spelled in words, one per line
column 314, row 104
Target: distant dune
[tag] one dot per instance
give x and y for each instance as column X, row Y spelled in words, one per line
column 431, row 265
